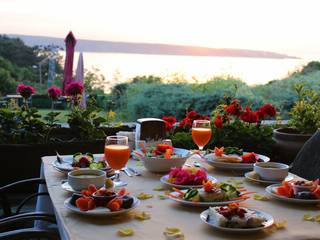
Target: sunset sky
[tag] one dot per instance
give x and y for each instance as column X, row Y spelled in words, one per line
column 285, row 26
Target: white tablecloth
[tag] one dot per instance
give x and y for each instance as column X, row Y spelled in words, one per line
column 166, row 213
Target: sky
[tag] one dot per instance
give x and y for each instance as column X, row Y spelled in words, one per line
column 284, row 26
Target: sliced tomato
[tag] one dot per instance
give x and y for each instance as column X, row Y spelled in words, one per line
column 282, row 191
column 82, row 204
column 92, row 188
column 163, row 147
column 168, row 153
column 218, row 151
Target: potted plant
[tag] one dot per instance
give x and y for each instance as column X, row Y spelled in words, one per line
column 232, row 126
column 235, row 126
column 303, row 123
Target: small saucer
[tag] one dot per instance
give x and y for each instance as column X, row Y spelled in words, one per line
column 66, row 186
column 249, row 176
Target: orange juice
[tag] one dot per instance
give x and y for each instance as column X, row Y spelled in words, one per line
column 117, row 156
column 201, row 136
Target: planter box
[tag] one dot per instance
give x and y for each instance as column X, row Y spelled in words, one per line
column 288, row 143
column 21, row 161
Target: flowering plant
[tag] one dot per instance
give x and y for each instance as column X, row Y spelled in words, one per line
column 169, row 121
column 235, row 126
column 54, row 92
column 186, row 123
column 75, row 90
column 25, row 91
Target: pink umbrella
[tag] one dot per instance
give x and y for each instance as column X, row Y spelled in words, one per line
column 80, row 78
column 68, row 64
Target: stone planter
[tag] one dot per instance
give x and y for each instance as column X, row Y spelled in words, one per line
column 288, row 143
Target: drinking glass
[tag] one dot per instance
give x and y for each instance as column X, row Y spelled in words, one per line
column 117, row 153
column 201, row 133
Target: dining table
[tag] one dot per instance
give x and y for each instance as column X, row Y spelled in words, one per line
column 166, row 213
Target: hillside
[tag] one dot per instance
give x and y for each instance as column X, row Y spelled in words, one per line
column 84, row 45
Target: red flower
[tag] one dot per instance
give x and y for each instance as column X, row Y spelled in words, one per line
column 267, row 110
column 75, row 88
column 249, row 116
column 234, row 108
column 170, row 121
column 25, row 91
column 193, row 115
column 185, row 123
column 218, row 122
column 54, row 92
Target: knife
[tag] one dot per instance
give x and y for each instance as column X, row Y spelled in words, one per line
column 126, row 170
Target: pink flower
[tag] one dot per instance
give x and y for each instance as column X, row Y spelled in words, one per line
column 74, row 88
column 54, row 92
column 25, row 90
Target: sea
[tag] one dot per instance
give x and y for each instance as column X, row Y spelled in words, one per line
column 121, row 67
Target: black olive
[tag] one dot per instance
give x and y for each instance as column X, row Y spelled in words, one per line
column 127, row 202
column 74, row 198
column 305, row 195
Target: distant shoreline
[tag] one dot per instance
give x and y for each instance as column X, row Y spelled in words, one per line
column 95, row 46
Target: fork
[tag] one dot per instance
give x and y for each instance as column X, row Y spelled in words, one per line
column 59, row 157
column 135, row 172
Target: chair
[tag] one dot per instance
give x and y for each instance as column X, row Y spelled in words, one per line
column 16, row 224
column 307, row 162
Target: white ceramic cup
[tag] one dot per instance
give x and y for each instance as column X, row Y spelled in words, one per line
column 81, row 179
column 271, row 170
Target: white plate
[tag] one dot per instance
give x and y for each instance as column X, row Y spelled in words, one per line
column 269, row 221
column 210, row 159
column 100, row 211
column 201, row 204
column 271, row 191
column 164, row 180
column 65, row 166
column 247, row 176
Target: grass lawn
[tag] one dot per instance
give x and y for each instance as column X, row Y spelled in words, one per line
column 62, row 117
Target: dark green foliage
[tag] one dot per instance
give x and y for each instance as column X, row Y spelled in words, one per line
column 183, row 140
column 21, row 126
column 85, row 123
column 14, row 50
column 305, row 114
column 244, row 135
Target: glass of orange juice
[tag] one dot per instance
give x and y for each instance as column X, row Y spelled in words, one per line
column 117, row 153
column 201, row 133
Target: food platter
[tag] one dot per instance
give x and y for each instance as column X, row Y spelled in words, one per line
column 212, row 160
column 269, row 222
column 164, row 180
column 100, row 211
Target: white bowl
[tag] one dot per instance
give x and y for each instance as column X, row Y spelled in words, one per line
column 82, row 178
column 155, row 164
column 271, row 170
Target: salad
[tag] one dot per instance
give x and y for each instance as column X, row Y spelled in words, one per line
column 87, row 161
column 187, row 176
column 92, row 197
column 299, row 189
column 212, row 192
column 234, row 155
column 160, row 151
